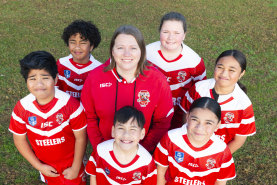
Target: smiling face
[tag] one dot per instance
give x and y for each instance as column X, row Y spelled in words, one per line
column 201, row 124
column 80, row 48
column 126, row 53
column 172, row 35
column 127, row 135
column 42, row 85
column 227, row 72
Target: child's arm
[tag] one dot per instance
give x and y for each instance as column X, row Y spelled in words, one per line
column 79, row 151
column 93, row 180
column 24, row 148
column 220, row 182
column 161, row 175
column 236, row 143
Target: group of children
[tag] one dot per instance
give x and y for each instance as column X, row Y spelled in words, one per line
column 211, row 121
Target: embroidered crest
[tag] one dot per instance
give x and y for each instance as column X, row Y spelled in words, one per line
column 32, row 120
column 143, row 98
column 107, row 171
column 67, row 73
column 181, row 76
column 59, row 118
column 179, row 156
column 210, row 163
column 228, row 118
column 137, row 176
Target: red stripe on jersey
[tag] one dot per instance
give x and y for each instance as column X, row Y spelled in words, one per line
column 177, row 58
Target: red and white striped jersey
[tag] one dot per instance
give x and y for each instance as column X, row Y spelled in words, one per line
column 181, row 73
column 237, row 115
column 72, row 75
column 49, row 127
column 190, row 165
column 103, row 164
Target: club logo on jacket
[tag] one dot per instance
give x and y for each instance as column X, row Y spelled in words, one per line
column 143, row 98
column 32, row 120
column 179, row 156
column 137, row 176
column 228, row 118
column 59, row 118
column 210, row 163
column 181, row 76
column 67, row 73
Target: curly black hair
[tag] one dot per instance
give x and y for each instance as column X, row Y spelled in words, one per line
column 86, row 29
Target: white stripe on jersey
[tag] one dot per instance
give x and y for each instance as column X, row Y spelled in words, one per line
column 171, row 111
column 18, row 119
column 77, row 112
column 247, row 134
column 227, row 164
column 188, row 172
column 17, row 133
column 65, row 62
column 160, row 164
column 231, row 125
column 92, row 160
column 62, row 101
column 177, row 86
column 74, row 86
column 150, row 174
column 200, row 77
column 162, row 149
column 248, row 121
column 76, row 130
column 144, row 157
column 176, row 136
column 50, row 132
column 227, row 178
column 100, row 170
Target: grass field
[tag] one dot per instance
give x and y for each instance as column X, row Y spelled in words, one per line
column 213, row 26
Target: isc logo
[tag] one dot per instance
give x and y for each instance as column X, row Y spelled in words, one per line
column 108, row 84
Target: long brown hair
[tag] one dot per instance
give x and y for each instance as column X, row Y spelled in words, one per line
column 129, row 30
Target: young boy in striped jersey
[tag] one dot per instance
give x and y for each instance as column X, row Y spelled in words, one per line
column 81, row 37
column 123, row 160
column 53, row 121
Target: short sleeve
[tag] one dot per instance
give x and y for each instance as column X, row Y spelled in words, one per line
column 17, row 122
column 161, row 153
column 91, row 165
column 247, row 125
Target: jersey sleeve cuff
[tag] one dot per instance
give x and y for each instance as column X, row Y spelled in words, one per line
column 17, row 133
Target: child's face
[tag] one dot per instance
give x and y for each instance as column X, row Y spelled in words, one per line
column 42, row 85
column 202, row 123
column 127, row 135
column 79, row 48
column 227, row 72
column 172, row 35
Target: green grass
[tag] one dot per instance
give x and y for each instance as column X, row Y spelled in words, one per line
column 213, row 26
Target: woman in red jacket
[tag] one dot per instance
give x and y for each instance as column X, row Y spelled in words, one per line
column 125, row 79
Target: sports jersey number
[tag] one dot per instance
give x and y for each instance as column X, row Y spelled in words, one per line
column 176, row 101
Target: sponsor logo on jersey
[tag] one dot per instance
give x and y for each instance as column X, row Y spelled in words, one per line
column 107, row 171
column 181, row 76
column 210, row 163
column 78, row 80
column 185, row 181
column 179, row 156
column 193, row 165
column 137, row 176
column 228, row 118
column 67, row 73
column 143, row 98
column 120, row 178
column 108, row 84
column 59, row 118
column 32, row 120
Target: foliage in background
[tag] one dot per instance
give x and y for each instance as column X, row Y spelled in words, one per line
column 213, row 26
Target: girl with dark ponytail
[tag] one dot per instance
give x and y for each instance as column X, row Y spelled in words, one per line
column 237, row 120
column 193, row 154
